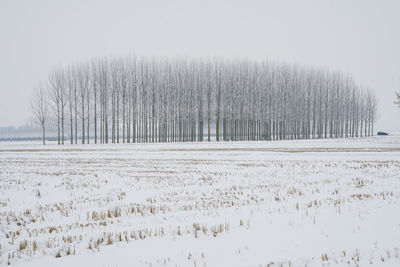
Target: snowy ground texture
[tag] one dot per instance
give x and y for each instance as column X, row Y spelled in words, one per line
column 285, row 203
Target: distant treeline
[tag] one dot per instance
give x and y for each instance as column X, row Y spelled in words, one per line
column 139, row 99
column 29, row 130
column 5, row 139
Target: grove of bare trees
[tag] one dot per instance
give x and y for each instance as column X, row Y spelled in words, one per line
column 140, row 99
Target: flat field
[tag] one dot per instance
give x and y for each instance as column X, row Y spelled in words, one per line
column 332, row 202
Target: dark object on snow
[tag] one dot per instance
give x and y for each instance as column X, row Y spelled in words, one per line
column 382, row 133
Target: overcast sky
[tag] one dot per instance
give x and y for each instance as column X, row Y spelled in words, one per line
column 355, row 36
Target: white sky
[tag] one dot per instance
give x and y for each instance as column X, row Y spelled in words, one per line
column 361, row 37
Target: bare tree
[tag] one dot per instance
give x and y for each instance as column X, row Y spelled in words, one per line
column 94, row 89
column 39, row 107
column 71, row 85
column 83, row 78
column 55, row 86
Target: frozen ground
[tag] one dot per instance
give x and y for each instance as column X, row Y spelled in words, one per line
column 286, row 203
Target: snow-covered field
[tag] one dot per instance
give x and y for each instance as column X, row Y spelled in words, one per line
column 285, row 203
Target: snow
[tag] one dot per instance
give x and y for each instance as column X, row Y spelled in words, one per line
column 327, row 202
